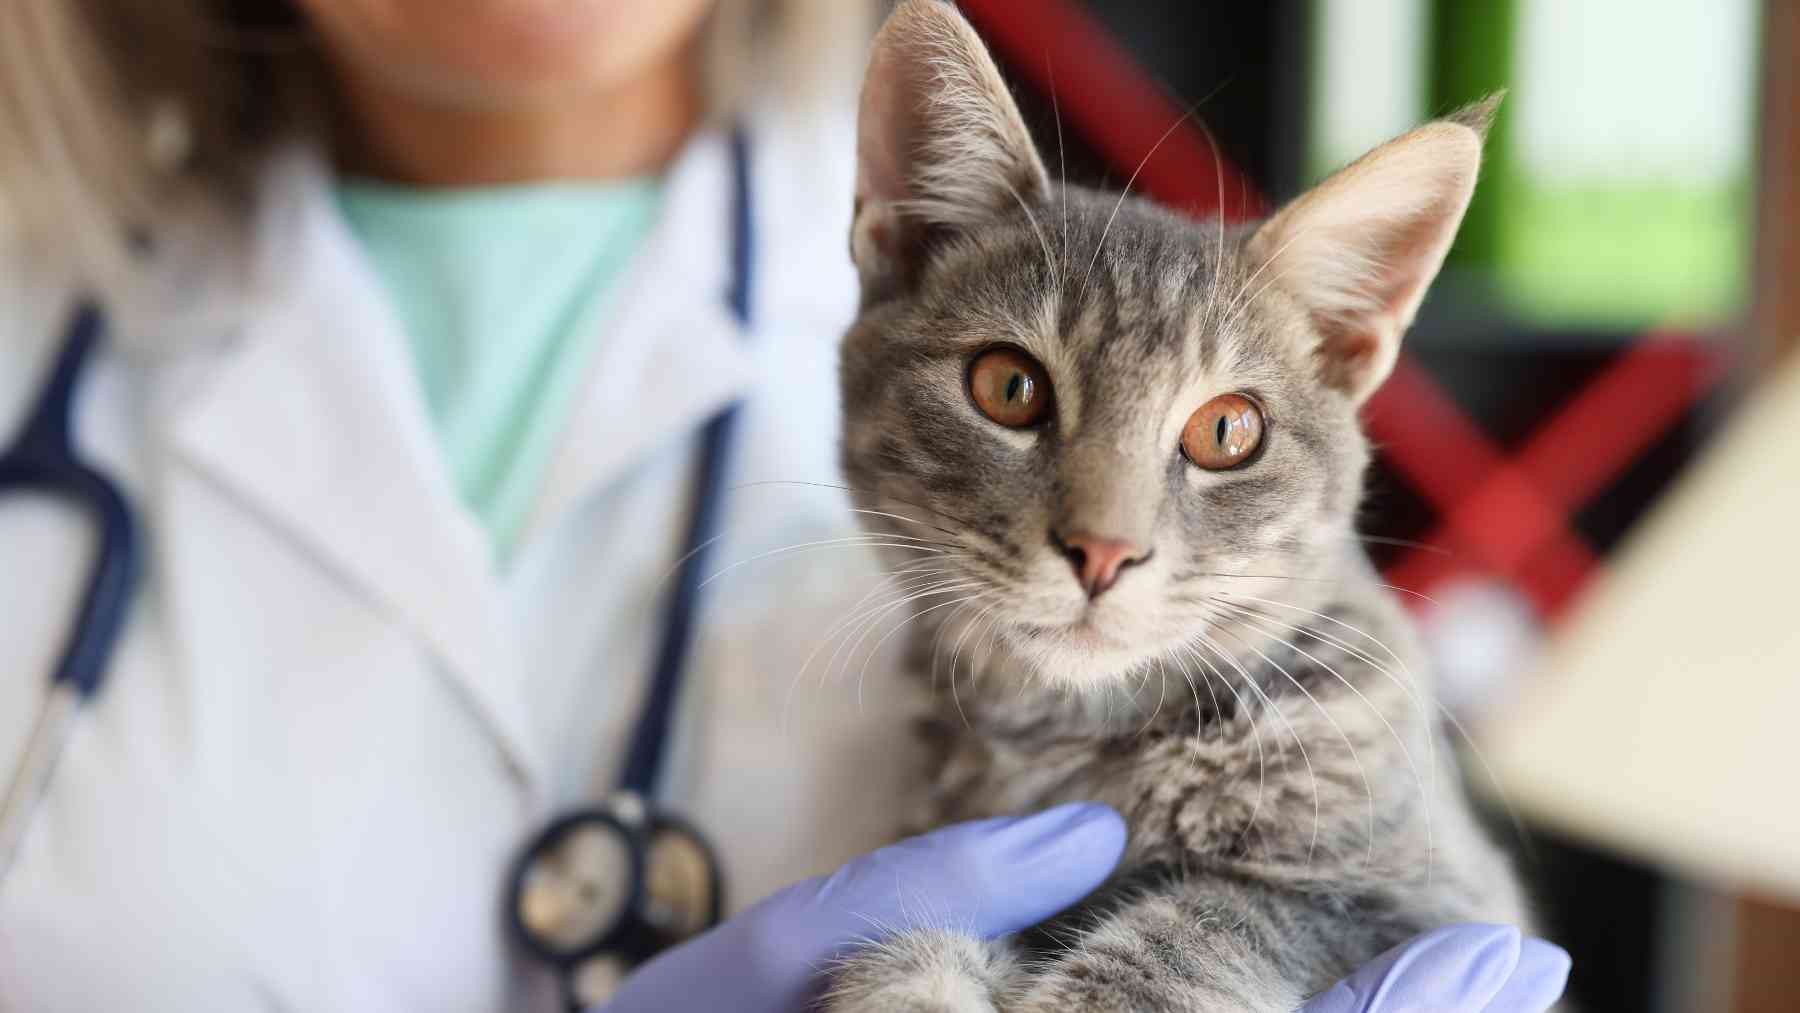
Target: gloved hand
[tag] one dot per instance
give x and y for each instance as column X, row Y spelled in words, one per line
column 997, row 876
column 990, row 876
column 1455, row 969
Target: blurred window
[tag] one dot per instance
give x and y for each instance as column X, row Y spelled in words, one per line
column 1619, row 190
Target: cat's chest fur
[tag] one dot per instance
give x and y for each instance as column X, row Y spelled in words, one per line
column 1306, row 754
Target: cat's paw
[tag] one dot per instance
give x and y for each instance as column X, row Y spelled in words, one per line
column 932, row 971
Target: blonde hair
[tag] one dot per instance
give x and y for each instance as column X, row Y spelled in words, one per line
column 114, row 113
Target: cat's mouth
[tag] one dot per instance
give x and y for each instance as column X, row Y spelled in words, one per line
column 1086, row 633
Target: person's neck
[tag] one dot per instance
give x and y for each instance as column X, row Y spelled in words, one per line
column 629, row 131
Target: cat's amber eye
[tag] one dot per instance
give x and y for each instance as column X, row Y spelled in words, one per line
column 1223, row 433
column 1010, row 387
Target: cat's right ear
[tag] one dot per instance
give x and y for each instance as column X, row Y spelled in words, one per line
column 940, row 144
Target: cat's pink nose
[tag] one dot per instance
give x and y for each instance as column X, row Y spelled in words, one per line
column 1097, row 561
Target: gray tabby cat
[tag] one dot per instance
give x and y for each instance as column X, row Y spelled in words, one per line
column 1126, row 444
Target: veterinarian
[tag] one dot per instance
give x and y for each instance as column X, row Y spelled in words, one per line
column 366, row 370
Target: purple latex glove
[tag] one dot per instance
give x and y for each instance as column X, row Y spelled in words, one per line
column 990, row 877
column 1455, row 969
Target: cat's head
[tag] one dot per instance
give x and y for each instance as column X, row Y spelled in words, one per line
column 1099, row 416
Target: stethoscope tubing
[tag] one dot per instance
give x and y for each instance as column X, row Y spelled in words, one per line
column 36, row 767
column 43, row 460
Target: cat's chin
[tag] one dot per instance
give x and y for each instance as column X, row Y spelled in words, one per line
column 1081, row 655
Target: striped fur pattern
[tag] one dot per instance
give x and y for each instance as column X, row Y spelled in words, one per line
column 1249, row 696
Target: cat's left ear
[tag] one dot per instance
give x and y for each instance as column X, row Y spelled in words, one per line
column 940, row 145
column 1359, row 250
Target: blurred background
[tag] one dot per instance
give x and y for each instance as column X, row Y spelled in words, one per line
column 1623, row 286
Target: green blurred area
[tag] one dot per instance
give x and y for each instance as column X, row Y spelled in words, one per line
column 1630, row 254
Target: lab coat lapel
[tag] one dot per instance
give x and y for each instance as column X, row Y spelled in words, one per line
column 673, row 354
column 316, row 421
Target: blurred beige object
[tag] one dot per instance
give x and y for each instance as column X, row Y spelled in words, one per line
column 1664, row 718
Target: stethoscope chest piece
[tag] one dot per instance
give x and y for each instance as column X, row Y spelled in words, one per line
column 603, row 889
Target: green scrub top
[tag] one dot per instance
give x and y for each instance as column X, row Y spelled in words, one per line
column 503, row 292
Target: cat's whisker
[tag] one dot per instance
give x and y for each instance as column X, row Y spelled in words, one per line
column 1143, row 674
column 1312, row 580
column 675, row 567
column 924, row 575
column 1162, row 683
column 1239, row 301
column 956, row 652
column 849, row 542
column 840, row 487
column 863, row 676
column 866, row 511
column 942, row 626
column 1043, row 243
column 922, row 579
column 1206, row 673
column 854, row 614
column 787, row 702
column 1244, row 309
column 1404, row 543
column 1218, row 709
column 988, row 655
column 1126, row 192
column 1336, row 621
column 1212, row 295
column 936, row 543
column 1448, row 715
column 1250, row 682
column 1362, row 772
column 962, row 637
column 1239, row 308
column 869, row 512
column 929, row 581
column 1028, row 684
column 848, row 626
column 1405, row 686
column 848, row 648
column 1257, row 619
column 1228, row 310
column 938, row 640
column 1199, row 717
column 1062, row 162
column 1297, row 546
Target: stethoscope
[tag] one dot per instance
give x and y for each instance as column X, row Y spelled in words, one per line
column 597, row 891
column 602, row 889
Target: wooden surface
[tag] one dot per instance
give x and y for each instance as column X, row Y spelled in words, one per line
column 1766, row 959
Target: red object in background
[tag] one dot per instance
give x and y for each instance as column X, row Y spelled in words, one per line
column 1513, row 517
column 1499, row 515
column 1128, row 118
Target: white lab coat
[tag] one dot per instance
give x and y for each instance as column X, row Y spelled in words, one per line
column 331, row 720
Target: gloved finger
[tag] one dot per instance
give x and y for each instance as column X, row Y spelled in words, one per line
column 987, row 877
column 1538, row 981
column 1457, row 967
